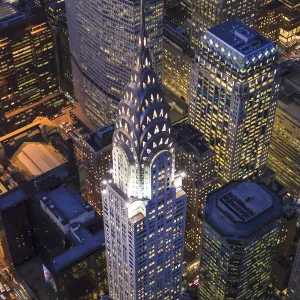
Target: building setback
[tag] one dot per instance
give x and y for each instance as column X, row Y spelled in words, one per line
column 233, row 98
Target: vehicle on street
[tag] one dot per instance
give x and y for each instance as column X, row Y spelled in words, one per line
column 6, row 287
column 2, row 296
column 12, row 296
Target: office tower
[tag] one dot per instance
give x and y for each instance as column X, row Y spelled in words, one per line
column 233, row 98
column 284, row 154
column 284, row 253
column 241, row 225
column 207, row 14
column 97, row 160
column 294, row 287
column 102, row 40
column 64, row 56
column 27, row 56
column 290, row 24
column 197, row 162
column 176, row 63
column 269, row 19
column 186, row 5
column 144, row 213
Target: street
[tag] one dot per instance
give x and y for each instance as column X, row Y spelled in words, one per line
column 10, row 287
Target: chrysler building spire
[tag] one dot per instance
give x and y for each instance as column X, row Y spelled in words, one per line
column 143, row 127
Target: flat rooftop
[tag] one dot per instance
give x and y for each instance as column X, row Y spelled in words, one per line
column 240, row 209
column 190, row 139
column 101, row 138
column 88, row 245
column 239, row 37
column 12, row 198
column 65, row 203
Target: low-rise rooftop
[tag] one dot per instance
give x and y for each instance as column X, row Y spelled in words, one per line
column 88, row 244
column 190, row 139
column 101, row 138
column 65, row 203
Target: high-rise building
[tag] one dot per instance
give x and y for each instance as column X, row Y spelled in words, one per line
column 207, row 14
column 97, row 148
column 197, row 162
column 294, row 287
column 241, row 225
column 284, row 154
column 144, row 208
column 176, row 63
column 269, row 19
column 28, row 65
column 103, row 37
column 233, row 97
column 289, row 33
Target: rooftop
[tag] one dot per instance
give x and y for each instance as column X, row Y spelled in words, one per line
column 101, row 138
column 12, row 198
column 8, row 14
column 37, row 158
column 239, row 209
column 65, row 203
column 239, row 37
column 190, row 139
column 89, row 244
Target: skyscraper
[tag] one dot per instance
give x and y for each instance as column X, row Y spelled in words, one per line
column 233, row 97
column 197, row 162
column 294, row 287
column 27, row 65
column 144, row 211
column 207, row 14
column 241, row 225
column 284, row 154
column 290, row 23
column 102, row 40
column 97, row 148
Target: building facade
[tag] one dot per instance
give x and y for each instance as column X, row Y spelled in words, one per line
column 289, row 33
column 197, row 162
column 176, row 63
column 234, row 91
column 207, row 14
column 103, row 37
column 27, row 60
column 241, row 225
column 97, row 148
column 294, row 287
column 284, row 154
column 144, row 213
column 269, row 19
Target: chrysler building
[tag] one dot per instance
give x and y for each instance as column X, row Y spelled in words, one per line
column 144, row 207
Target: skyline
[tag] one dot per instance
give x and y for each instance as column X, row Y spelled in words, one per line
column 149, row 149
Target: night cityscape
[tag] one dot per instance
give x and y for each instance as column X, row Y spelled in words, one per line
column 150, row 149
